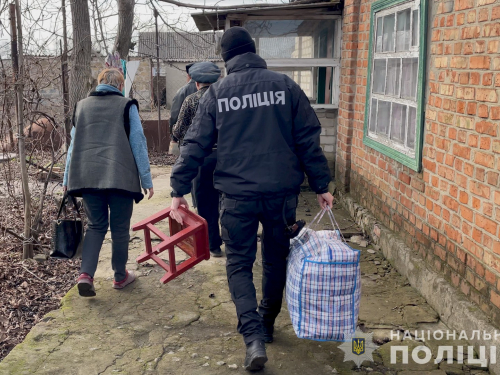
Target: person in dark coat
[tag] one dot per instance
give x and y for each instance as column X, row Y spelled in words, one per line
column 267, row 137
column 106, row 165
column 181, row 94
column 205, row 197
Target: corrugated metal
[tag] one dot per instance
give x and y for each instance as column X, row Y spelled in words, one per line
column 180, row 47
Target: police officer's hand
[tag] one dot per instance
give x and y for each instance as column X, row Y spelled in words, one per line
column 176, row 203
column 325, row 200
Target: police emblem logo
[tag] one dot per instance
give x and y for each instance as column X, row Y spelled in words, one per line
column 358, row 345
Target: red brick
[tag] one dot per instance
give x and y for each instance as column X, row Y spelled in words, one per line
column 487, row 224
column 491, row 29
column 492, row 178
column 486, row 95
column 480, row 62
column 471, row 108
column 488, row 209
column 461, row 108
column 452, row 204
column 477, row 235
column 487, row 79
column 497, row 197
column 461, row 151
column 484, row 159
column 466, row 213
column 496, row 247
column 476, row 203
column 485, row 143
column 495, row 13
column 483, row 15
column 495, row 113
column 452, row 133
column 473, row 140
column 497, row 80
column 483, row 111
column 479, row 189
column 464, row 197
column 404, row 177
column 486, row 127
column 475, row 78
column 480, row 172
column 496, row 146
column 493, row 46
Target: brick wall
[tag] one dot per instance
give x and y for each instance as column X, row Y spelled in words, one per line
column 449, row 213
column 329, row 123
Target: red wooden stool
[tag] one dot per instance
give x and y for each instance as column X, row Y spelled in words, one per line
column 191, row 237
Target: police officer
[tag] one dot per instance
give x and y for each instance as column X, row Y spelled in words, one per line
column 267, row 136
column 181, row 94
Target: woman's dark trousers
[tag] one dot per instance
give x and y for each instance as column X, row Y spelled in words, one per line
column 107, row 209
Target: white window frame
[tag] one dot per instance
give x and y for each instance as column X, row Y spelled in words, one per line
column 287, row 64
column 414, row 52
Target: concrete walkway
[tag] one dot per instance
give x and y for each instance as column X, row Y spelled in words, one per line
column 188, row 326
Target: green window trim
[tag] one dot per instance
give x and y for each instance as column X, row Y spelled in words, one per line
column 412, row 162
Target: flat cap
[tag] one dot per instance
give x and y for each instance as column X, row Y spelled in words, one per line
column 205, row 72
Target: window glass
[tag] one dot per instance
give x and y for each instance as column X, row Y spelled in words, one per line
column 415, row 26
column 403, row 31
column 409, row 78
column 388, row 33
column 398, row 128
column 393, row 76
column 379, row 76
column 283, row 39
column 383, row 117
column 378, row 37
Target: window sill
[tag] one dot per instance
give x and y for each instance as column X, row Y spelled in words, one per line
column 324, row 106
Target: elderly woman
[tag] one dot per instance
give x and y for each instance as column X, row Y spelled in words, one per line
column 107, row 163
column 205, row 197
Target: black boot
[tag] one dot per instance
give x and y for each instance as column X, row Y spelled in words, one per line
column 268, row 334
column 256, row 356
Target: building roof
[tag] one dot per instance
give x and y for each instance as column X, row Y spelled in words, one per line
column 181, row 46
column 206, row 21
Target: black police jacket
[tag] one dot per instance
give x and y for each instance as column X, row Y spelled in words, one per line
column 266, row 131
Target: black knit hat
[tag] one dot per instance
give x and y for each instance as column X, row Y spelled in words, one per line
column 236, row 41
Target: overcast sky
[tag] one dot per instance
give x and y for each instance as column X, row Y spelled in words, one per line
column 42, row 22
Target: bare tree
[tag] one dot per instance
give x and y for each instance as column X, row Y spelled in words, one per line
column 18, row 66
column 125, row 26
column 81, row 74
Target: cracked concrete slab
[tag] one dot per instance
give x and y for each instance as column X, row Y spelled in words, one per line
column 188, row 326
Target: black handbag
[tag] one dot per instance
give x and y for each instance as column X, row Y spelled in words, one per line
column 67, row 234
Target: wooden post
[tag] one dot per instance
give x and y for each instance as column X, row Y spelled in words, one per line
column 158, row 99
column 18, row 76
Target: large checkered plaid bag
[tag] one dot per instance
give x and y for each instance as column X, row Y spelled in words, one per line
column 323, row 287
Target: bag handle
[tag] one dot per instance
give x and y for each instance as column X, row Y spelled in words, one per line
column 317, row 219
column 63, row 203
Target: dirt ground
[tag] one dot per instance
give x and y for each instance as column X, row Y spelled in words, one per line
column 188, row 326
